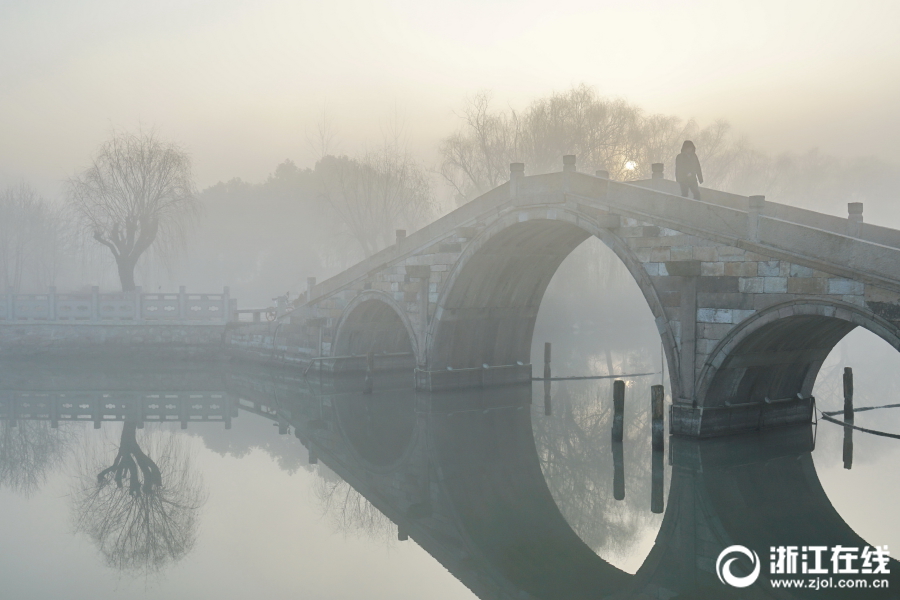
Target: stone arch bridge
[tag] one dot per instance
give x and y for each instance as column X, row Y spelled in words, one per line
column 749, row 296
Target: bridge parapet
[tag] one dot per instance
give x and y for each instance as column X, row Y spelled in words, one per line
column 748, row 295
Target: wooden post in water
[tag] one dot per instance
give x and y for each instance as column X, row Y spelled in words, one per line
column 618, row 470
column 848, row 394
column 657, row 408
column 548, row 405
column 618, row 427
column 547, row 348
column 848, row 447
column 657, row 501
column 370, row 372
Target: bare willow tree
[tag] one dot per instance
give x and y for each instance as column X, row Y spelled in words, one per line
column 32, row 239
column 139, row 190
column 141, row 513
column 29, row 451
column 376, row 194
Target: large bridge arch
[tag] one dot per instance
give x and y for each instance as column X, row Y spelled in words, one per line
column 776, row 354
column 373, row 322
column 488, row 306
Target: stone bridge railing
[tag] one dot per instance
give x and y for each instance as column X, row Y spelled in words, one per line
column 133, row 306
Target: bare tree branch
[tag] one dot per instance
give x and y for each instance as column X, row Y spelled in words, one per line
column 138, row 191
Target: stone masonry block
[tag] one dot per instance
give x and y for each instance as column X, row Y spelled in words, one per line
column 750, row 285
column 775, row 285
column 800, row 271
column 714, row 315
column 670, row 298
column 684, row 268
column 741, row 269
column 712, row 268
column 728, row 253
column 724, row 300
column 845, row 287
column 681, row 253
column 713, row 331
column 741, row 315
column 770, row 268
column 717, row 284
column 704, row 253
column 806, row 285
column 642, row 254
column 857, row 300
column 655, row 269
column 761, row 301
column 660, row 254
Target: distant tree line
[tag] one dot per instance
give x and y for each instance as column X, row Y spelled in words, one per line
column 136, row 202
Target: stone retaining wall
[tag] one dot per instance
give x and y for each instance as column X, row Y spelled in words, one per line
column 185, row 339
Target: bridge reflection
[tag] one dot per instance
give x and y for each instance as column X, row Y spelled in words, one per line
column 469, row 477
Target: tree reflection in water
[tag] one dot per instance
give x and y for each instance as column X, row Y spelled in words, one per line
column 574, row 449
column 29, row 451
column 348, row 511
column 141, row 512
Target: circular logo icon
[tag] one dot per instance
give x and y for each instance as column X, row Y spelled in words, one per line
column 723, row 570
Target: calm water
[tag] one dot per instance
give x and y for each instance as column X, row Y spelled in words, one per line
column 285, row 488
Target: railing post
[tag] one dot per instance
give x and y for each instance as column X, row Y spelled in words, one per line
column 657, row 171
column 516, row 172
column 95, row 303
column 755, row 206
column 51, row 303
column 854, row 218
column 138, row 303
column 569, row 167
column 226, row 305
column 232, row 309
column 310, row 284
column 401, row 235
column 182, row 303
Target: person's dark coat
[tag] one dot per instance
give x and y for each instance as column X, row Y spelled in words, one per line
column 687, row 168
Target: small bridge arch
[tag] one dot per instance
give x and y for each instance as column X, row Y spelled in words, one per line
column 776, row 354
column 374, row 322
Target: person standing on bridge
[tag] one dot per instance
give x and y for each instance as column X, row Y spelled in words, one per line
column 687, row 170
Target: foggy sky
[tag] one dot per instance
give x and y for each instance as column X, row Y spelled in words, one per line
column 241, row 84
